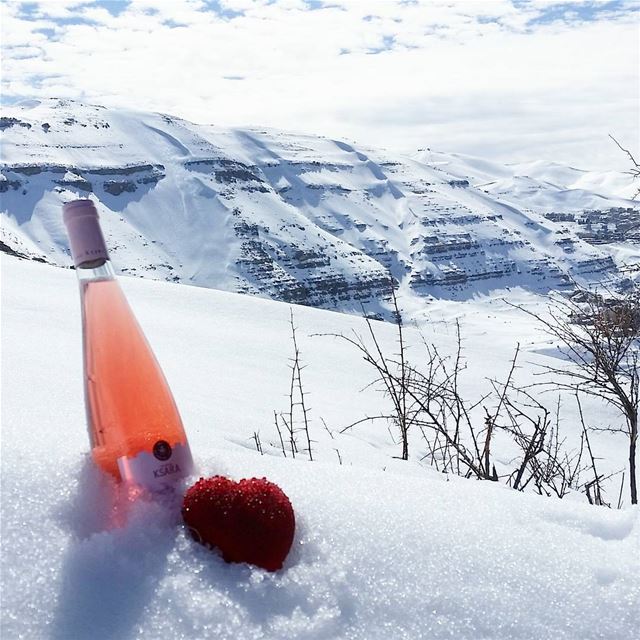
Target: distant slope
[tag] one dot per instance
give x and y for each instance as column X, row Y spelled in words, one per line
column 295, row 218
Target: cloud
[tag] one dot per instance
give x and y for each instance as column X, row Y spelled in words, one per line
column 489, row 78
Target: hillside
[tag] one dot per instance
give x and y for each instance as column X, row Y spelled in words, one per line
column 383, row 548
column 304, row 219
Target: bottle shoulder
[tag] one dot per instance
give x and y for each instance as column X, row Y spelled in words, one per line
column 102, row 271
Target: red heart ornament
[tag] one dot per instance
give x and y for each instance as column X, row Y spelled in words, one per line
column 249, row 521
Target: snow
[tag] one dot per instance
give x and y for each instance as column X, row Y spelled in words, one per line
column 546, row 181
column 383, row 549
column 297, row 217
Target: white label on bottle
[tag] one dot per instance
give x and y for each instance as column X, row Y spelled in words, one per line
column 156, row 470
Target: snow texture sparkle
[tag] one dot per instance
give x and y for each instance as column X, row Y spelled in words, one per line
column 382, row 549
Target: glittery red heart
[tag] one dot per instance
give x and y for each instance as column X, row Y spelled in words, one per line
column 249, row 521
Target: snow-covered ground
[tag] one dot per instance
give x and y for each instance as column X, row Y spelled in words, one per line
column 383, row 548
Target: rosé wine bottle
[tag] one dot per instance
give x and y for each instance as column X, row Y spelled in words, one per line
column 134, row 426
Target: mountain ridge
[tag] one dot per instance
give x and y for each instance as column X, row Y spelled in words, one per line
column 300, row 218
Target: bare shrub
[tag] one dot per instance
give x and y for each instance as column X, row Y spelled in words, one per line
column 428, row 399
column 600, row 338
column 393, row 374
column 635, row 167
column 296, row 419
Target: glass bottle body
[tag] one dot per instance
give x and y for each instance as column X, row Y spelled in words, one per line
column 134, row 426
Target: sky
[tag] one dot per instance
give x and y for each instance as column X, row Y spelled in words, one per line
column 508, row 80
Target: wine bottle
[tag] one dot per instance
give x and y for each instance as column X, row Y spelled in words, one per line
column 134, row 426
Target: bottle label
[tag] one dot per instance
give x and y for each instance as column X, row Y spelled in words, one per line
column 156, row 470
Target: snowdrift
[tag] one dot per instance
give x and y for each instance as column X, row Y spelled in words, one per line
column 382, row 549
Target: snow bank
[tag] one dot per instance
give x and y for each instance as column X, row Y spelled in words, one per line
column 376, row 555
column 399, row 553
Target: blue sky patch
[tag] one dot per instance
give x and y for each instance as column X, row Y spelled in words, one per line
column 48, row 32
column 29, row 10
column 572, row 11
column 114, row 7
column 218, row 9
column 32, row 11
column 387, row 44
column 315, row 5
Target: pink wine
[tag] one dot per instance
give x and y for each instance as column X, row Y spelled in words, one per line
column 134, row 426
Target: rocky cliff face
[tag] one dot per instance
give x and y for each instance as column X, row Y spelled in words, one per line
column 297, row 218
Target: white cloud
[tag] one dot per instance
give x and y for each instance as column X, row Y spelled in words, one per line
column 468, row 76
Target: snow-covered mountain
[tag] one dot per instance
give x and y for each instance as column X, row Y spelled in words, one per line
column 299, row 218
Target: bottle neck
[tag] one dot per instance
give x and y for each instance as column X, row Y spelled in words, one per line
column 95, row 270
column 86, row 241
